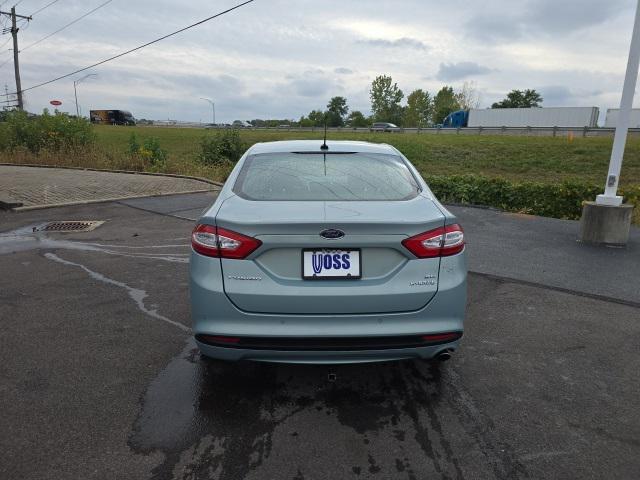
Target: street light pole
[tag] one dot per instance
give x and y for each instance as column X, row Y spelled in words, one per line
column 607, row 221
column 213, row 107
column 75, row 90
column 610, row 196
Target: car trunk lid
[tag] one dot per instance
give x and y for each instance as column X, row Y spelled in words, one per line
column 271, row 281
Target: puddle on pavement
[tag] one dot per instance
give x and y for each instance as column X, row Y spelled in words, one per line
column 239, row 405
column 29, row 238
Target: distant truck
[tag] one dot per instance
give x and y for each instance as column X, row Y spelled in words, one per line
column 112, row 117
column 458, row 119
column 576, row 117
column 612, row 118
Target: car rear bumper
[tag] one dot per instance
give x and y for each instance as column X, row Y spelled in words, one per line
column 214, row 314
column 323, row 357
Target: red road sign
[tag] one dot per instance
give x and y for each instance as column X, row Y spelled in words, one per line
column 57, row 103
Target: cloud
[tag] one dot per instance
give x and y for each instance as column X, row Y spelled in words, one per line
column 315, row 83
column 561, row 95
column 404, row 42
column 456, row 71
column 493, row 28
column 257, row 65
column 535, row 18
column 555, row 95
column 554, row 17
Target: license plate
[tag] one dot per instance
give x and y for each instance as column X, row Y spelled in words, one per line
column 331, row 264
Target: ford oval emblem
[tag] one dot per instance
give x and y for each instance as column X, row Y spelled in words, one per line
column 332, row 233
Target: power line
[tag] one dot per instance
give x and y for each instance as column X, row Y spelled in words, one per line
column 46, row 6
column 9, row 39
column 22, row 25
column 66, row 26
column 141, row 46
column 4, row 44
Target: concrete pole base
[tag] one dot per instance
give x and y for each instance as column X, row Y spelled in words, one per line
column 605, row 224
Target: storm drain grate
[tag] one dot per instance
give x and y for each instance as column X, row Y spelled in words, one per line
column 69, row 226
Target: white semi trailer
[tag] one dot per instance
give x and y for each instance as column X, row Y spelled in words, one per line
column 534, row 117
column 612, row 118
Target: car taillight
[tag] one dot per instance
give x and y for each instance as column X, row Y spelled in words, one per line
column 440, row 242
column 218, row 339
column 442, row 337
column 219, row 242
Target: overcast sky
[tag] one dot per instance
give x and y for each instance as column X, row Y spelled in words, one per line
column 283, row 58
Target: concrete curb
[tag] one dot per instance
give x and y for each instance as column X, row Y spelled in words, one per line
column 132, row 172
column 15, row 206
column 103, row 200
column 9, row 204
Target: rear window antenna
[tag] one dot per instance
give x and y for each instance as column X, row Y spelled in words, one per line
column 324, row 145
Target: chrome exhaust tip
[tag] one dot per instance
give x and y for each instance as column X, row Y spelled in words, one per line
column 443, row 356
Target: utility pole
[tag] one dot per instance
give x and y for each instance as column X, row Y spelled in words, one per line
column 16, row 65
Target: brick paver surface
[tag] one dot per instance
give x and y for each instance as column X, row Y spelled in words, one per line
column 34, row 186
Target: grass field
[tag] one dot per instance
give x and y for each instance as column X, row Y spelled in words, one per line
column 521, row 174
column 542, row 159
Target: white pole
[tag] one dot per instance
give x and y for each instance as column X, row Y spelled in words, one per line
column 213, row 107
column 610, row 196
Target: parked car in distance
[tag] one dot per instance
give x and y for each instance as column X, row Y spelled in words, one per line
column 241, row 124
column 383, row 127
column 327, row 255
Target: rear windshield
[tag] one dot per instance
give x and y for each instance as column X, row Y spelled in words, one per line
column 331, row 176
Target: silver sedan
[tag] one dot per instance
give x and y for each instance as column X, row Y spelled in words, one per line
column 327, row 253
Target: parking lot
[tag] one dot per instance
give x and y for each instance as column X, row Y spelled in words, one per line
column 101, row 379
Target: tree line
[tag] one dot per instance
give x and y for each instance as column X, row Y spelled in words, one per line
column 422, row 109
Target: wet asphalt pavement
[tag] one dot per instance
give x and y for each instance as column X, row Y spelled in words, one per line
column 99, row 377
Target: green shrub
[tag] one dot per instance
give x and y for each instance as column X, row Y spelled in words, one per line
column 559, row 200
column 57, row 132
column 134, row 146
column 223, row 147
column 149, row 152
